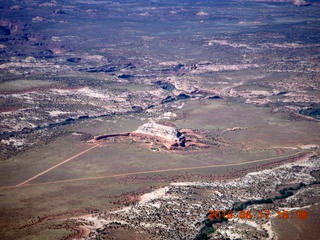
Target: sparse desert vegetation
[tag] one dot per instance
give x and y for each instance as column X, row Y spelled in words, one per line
column 165, row 109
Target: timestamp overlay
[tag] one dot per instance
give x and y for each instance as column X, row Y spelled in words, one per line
column 262, row 214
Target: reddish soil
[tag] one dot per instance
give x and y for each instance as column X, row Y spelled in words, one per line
column 80, row 233
column 192, row 139
column 61, row 216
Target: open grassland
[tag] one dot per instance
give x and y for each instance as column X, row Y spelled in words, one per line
column 259, row 127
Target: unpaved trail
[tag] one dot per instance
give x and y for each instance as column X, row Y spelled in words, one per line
column 300, row 155
column 57, row 165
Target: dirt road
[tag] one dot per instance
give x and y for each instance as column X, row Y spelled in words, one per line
column 57, row 165
column 301, row 155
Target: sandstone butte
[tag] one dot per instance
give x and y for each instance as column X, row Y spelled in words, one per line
column 169, row 136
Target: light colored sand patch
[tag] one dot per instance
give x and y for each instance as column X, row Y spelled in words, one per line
column 180, row 106
column 13, row 142
column 202, row 13
column 230, row 233
column 156, row 205
column 145, row 198
column 309, row 146
column 186, row 184
column 246, row 23
column 61, row 91
column 227, row 43
column 168, row 115
column 124, row 210
column 149, row 225
column 287, row 45
column 95, row 221
column 295, row 208
column 169, row 63
column 248, row 222
column 56, row 113
column 220, row 67
column 94, row 58
column 260, row 92
column 92, row 93
column 77, row 134
column 85, row 91
column 268, row 227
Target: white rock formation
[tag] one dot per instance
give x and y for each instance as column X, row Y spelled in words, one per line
column 158, row 130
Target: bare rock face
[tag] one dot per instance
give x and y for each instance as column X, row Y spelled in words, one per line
column 170, row 135
column 159, row 130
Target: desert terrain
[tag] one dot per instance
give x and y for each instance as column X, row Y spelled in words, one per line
column 137, row 119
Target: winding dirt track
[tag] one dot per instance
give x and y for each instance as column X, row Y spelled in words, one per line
column 301, row 155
